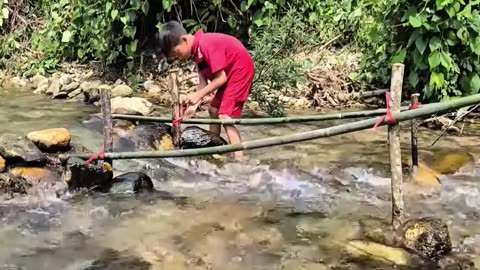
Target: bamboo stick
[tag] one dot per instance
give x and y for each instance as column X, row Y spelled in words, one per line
column 394, row 147
column 107, row 122
column 260, row 121
column 423, row 111
column 177, row 108
column 413, row 134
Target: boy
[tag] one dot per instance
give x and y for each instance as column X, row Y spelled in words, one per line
column 220, row 59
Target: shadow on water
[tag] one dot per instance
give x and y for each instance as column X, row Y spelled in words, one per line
column 290, row 207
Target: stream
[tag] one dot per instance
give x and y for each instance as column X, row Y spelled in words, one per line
column 286, row 208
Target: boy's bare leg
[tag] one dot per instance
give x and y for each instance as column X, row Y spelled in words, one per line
column 233, row 137
column 213, row 112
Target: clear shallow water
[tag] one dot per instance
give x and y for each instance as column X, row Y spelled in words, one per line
column 289, row 206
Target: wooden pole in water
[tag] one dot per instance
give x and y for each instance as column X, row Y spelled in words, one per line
column 394, row 147
column 176, row 106
column 107, row 123
column 414, row 102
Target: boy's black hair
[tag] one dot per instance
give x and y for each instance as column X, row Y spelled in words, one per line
column 169, row 36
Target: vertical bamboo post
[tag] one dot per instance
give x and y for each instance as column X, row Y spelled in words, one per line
column 107, row 123
column 394, row 146
column 176, row 106
column 413, row 135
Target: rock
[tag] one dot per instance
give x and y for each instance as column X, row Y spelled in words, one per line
column 104, row 87
column 39, row 80
column 425, row 176
column 196, row 137
column 145, row 137
column 19, row 148
column 121, row 91
column 75, row 93
column 51, row 139
column 118, row 82
column 451, row 162
column 91, row 96
column 53, row 85
column 88, row 86
column 2, row 165
column 132, row 105
column 151, row 87
column 41, row 90
column 132, row 181
column 10, row 184
column 427, row 237
column 78, row 174
column 34, row 175
column 370, row 251
column 295, row 265
column 65, row 80
column 18, row 82
column 71, row 87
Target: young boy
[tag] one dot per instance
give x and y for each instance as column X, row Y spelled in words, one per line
column 220, row 59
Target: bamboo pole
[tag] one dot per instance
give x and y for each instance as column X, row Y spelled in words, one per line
column 177, row 108
column 423, row 111
column 394, row 147
column 259, row 121
column 413, row 134
column 107, row 123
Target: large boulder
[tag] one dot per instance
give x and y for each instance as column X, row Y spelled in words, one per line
column 39, row 80
column 121, row 91
column 132, row 105
column 427, row 237
column 53, row 85
column 132, row 181
column 78, row 175
column 90, row 91
column 20, row 149
column 51, row 139
column 196, row 137
column 155, row 136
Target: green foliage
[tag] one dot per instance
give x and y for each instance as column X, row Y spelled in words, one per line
column 437, row 40
column 4, row 12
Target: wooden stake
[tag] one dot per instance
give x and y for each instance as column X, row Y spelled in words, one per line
column 107, row 123
column 176, row 106
column 394, row 147
column 413, row 102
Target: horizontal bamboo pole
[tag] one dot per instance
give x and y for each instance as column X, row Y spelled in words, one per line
column 299, row 137
column 259, row 121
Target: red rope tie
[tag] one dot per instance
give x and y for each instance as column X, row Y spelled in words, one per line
column 176, row 122
column 388, row 115
column 100, row 155
column 415, row 105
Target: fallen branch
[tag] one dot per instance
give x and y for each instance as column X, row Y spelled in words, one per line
column 299, row 137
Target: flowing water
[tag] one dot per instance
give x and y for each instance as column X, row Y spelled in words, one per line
column 287, row 208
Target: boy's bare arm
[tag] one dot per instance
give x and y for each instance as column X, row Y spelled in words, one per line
column 190, row 111
column 219, row 80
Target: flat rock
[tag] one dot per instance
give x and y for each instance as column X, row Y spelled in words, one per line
column 53, row 85
column 39, row 80
column 34, row 175
column 70, row 87
column 132, row 181
column 51, row 139
column 78, row 174
column 75, row 93
column 65, row 80
column 131, row 105
column 19, row 148
column 42, row 89
column 88, row 86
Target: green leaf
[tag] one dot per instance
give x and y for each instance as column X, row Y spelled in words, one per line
column 415, row 21
column 441, row 4
column 475, row 45
column 313, row 17
column 399, row 57
column 453, row 9
column 146, row 7
column 466, row 12
column 124, row 20
column 463, row 34
column 435, row 44
column 114, row 14
column 258, row 18
column 243, row 6
column 421, row 44
column 5, row 13
column 413, row 79
column 66, row 36
column 475, row 83
column 446, row 60
column 131, row 48
column 250, row 2
column 437, row 80
column 434, row 59
column 413, row 37
column 80, row 53
column 108, row 7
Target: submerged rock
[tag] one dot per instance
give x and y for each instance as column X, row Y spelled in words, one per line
column 51, row 139
column 78, row 174
column 131, row 105
column 425, row 176
column 10, row 184
column 428, row 237
column 34, row 175
column 370, row 251
column 196, row 137
column 122, row 91
column 132, row 181
column 451, row 162
column 20, row 149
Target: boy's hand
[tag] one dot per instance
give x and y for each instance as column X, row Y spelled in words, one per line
column 193, row 98
column 189, row 112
